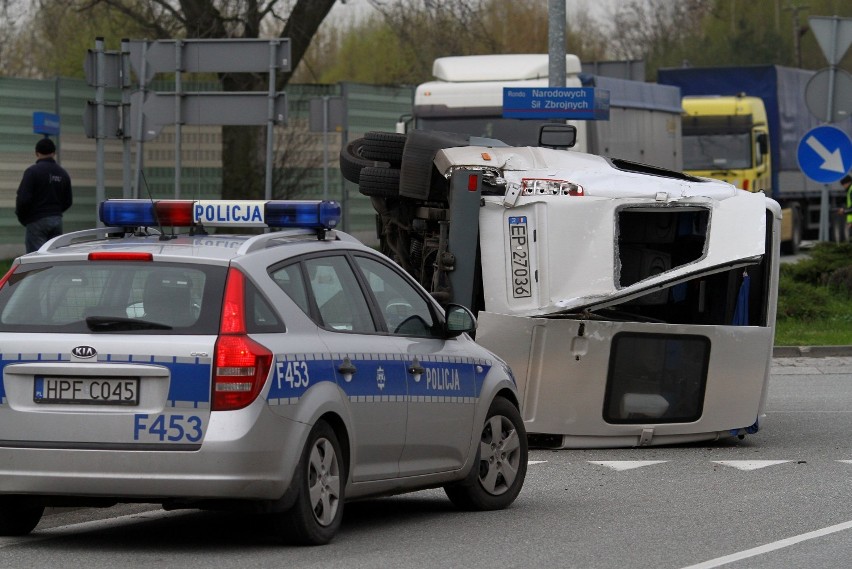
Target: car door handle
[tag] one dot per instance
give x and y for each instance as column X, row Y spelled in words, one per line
column 415, row 368
column 346, row 367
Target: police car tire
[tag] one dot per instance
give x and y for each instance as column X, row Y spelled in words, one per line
column 387, row 146
column 301, row 525
column 18, row 516
column 352, row 161
column 473, row 493
column 379, row 182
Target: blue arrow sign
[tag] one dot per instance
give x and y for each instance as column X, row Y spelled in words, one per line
column 825, row 154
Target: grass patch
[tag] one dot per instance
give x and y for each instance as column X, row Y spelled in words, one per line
column 815, row 298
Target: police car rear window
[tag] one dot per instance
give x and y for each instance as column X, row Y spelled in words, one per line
column 113, row 297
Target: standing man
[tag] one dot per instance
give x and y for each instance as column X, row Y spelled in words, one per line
column 43, row 196
column 846, row 184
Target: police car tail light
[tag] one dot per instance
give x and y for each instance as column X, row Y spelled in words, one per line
column 540, row 187
column 241, row 367
column 309, row 214
column 241, row 364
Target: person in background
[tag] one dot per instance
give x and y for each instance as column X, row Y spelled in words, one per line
column 846, row 184
column 43, row 196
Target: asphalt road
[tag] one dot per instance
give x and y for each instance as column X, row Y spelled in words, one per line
column 779, row 498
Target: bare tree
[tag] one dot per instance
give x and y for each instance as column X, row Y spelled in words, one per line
column 648, row 29
column 242, row 156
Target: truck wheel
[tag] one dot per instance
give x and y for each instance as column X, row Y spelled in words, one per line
column 501, row 462
column 18, row 515
column 384, row 146
column 379, row 182
column 320, row 481
column 791, row 247
column 352, row 161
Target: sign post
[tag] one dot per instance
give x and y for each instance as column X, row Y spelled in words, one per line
column 825, row 155
column 834, row 35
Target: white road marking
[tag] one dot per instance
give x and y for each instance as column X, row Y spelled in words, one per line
column 535, row 461
column 749, row 464
column 70, row 529
column 625, row 464
column 775, row 545
column 845, row 461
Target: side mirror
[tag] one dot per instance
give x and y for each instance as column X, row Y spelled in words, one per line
column 458, row 320
column 557, row 135
column 763, row 143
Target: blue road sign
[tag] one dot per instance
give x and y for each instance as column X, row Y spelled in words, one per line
column 45, row 123
column 825, row 154
column 579, row 103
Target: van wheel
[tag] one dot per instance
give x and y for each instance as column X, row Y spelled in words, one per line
column 352, row 161
column 501, row 462
column 18, row 515
column 379, row 182
column 386, row 146
column 320, row 481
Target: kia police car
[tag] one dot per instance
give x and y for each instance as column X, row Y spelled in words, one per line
column 285, row 372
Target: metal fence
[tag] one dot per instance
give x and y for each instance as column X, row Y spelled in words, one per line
column 367, row 107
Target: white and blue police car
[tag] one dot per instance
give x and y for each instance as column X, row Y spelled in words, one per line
column 286, row 372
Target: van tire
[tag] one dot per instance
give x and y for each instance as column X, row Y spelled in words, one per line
column 352, row 161
column 379, row 182
column 384, row 146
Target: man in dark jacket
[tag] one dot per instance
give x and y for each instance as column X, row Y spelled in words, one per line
column 43, row 196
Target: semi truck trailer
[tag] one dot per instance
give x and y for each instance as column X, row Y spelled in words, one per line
column 743, row 125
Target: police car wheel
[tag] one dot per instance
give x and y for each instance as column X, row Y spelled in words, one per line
column 18, row 516
column 320, row 480
column 501, row 462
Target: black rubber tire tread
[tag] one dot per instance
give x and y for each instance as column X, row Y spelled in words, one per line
column 298, row 525
column 379, row 182
column 420, row 179
column 385, row 146
column 18, row 515
column 352, row 161
column 469, row 494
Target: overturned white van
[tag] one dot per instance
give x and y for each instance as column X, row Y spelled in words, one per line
column 635, row 305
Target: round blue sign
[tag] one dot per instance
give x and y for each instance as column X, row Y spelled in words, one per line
column 825, row 154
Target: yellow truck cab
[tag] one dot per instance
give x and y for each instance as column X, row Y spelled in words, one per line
column 727, row 138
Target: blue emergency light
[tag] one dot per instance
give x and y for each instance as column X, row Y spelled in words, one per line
column 306, row 214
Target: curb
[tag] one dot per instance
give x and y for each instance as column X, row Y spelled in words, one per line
column 811, row 351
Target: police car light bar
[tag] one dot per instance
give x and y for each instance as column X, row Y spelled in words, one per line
column 307, row 214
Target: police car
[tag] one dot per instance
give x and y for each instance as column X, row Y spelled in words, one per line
column 286, row 372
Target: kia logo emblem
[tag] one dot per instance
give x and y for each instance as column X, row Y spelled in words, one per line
column 84, row 352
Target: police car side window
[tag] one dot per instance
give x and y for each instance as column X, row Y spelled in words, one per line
column 289, row 279
column 405, row 311
column 338, row 296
